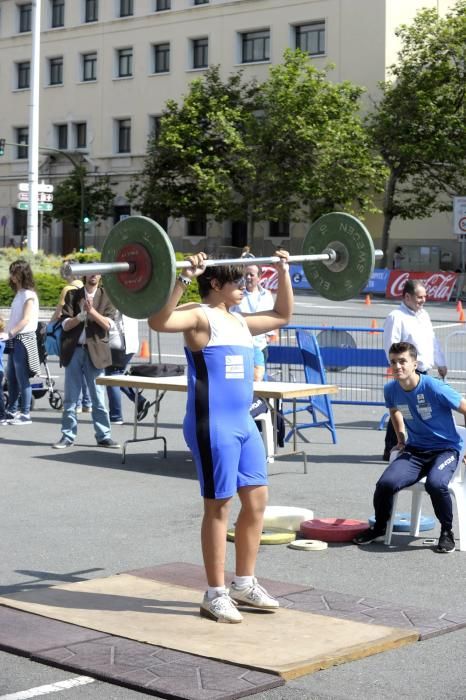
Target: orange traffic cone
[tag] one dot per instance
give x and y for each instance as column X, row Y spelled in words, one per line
column 459, row 306
column 144, row 351
column 461, row 318
column 367, row 300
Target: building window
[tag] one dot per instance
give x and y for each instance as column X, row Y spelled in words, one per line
column 24, row 75
column 161, row 58
column 201, row 2
column 25, row 17
column 279, row 229
column 255, row 46
column 91, row 10
column 311, row 38
column 89, row 66
column 61, row 136
column 155, row 123
column 124, row 135
column 126, row 8
column 200, row 53
column 56, row 71
column 197, row 228
column 125, row 63
column 58, row 13
column 22, row 136
column 162, row 5
column 80, row 134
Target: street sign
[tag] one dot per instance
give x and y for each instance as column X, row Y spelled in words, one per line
column 41, row 206
column 41, row 187
column 41, row 197
column 459, row 215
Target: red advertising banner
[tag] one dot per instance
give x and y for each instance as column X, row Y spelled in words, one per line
column 439, row 285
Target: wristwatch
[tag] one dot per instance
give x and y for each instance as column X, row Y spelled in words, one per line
column 185, row 281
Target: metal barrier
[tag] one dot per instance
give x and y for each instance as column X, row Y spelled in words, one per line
column 353, row 357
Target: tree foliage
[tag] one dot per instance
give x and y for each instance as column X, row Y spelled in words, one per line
column 97, row 197
column 419, row 125
column 247, row 151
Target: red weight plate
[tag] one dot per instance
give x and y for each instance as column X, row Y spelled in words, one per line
column 138, row 256
column 332, row 529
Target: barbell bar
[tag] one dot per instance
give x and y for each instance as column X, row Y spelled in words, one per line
column 140, row 268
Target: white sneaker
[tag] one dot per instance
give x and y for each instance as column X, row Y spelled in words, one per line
column 255, row 596
column 22, row 419
column 220, row 609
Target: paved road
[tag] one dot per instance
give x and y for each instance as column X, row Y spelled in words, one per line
column 69, row 516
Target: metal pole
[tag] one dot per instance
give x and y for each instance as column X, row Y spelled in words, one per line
column 33, row 151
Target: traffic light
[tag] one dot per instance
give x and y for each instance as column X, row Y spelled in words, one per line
column 2, row 147
column 86, row 219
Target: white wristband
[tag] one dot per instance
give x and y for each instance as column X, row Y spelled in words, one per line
column 185, row 281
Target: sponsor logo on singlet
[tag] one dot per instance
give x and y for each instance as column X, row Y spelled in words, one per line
column 234, row 367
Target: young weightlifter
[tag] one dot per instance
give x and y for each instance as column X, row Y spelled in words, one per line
column 226, row 445
column 423, row 404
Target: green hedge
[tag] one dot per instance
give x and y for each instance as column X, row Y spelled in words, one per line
column 47, row 277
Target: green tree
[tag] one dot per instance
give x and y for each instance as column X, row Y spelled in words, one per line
column 245, row 151
column 79, row 192
column 419, row 126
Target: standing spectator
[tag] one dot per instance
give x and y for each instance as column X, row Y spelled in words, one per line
column 88, row 316
column 3, row 420
column 398, row 258
column 246, row 252
column 127, row 331
column 256, row 298
column 23, row 360
column 411, row 323
column 72, row 283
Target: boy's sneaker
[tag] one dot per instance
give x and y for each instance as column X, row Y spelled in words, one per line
column 221, row 609
column 368, row 536
column 79, row 409
column 143, row 409
column 63, row 443
column 3, row 421
column 255, row 596
column 446, row 542
column 10, row 415
column 109, row 443
column 22, row 419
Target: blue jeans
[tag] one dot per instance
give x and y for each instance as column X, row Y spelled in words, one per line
column 114, row 392
column 79, row 366
column 17, row 376
column 2, row 402
column 409, row 467
column 84, row 396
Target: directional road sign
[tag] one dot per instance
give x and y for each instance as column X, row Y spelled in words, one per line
column 41, row 206
column 41, row 187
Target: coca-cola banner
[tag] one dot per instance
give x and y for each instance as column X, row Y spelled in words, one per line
column 439, row 285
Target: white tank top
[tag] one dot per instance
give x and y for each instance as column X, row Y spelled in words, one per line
column 223, row 331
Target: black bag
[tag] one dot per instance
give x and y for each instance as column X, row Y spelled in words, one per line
column 118, row 358
column 162, row 370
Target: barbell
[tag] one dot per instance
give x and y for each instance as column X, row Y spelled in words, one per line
column 140, row 267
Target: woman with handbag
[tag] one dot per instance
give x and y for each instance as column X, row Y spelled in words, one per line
column 124, row 342
column 23, row 359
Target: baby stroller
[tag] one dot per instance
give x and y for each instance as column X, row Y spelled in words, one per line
column 42, row 384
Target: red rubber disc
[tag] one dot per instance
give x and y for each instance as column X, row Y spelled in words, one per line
column 139, row 257
column 332, row 529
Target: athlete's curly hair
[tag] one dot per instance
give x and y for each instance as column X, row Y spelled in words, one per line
column 222, row 273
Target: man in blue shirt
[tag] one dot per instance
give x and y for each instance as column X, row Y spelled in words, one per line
column 423, row 405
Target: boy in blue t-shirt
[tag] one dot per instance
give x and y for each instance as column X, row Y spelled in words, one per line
column 423, row 405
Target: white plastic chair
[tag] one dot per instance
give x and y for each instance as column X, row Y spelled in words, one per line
column 457, row 488
column 265, row 419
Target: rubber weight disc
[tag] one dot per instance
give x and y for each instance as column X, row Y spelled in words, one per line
column 308, row 545
column 402, row 522
column 286, row 517
column 141, row 303
column 332, row 529
column 347, row 276
column 269, row 536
